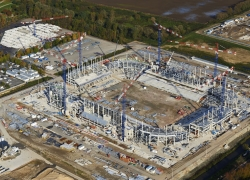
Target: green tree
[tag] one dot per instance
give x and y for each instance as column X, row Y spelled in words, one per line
column 47, row 45
column 230, row 11
column 35, row 49
column 92, row 16
column 18, row 54
column 27, row 51
column 245, row 146
column 137, row 16
column 112, row 16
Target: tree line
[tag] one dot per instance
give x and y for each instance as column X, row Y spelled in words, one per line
column 112, row 24
column 236, row 9
column 108, row 23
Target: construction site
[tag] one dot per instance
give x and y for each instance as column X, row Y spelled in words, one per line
column 145, row 101
column 235, row 29
column 171, row 109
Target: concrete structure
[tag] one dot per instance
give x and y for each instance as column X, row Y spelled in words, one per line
column 186, row 76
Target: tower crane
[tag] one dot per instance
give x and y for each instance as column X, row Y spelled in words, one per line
column 223, row 82
column 64, row 62
column 34, row 21
column 123, row 96
column 160, row 28
column 216, row 60
column 21, row 43
column 123, row 112
column 131, row 83
column 168, row 63
column 80, row 50
column 223, row 90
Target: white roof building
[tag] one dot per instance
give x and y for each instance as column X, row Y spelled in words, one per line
column 11, row 73
column 22, row 37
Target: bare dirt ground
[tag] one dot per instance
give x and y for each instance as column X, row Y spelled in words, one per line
column 242, row 55
column 35, row 170
column 65, row 159
column 151, row 101
column 192, row 10
column 62, row 158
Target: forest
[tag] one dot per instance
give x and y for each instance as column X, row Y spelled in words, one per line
column 101, row 21
column 112, row 24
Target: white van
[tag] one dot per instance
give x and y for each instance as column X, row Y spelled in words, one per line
column 44, row 119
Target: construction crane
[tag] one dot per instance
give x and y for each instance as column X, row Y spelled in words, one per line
column 123, row 112
column 80, row 50
column 101, row 50
column 131, row 83
column 21, row 44
column 64, row 62
column 216, row 60
column 216, row 75
column 160, row 28
column 224, row 83
column 115, row 49
column 168, row 63
column 40, row 20
column 223, row 74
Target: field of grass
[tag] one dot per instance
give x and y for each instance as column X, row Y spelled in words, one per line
column 6, row 4
column 199, row 39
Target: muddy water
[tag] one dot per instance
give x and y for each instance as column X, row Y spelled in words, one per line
column 188, row 10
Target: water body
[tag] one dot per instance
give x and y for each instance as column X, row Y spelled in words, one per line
column 222, row 164
column 188, row 10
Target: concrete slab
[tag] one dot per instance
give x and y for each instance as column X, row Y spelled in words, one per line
column 170, row 87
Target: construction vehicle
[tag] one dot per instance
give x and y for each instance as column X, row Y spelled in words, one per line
column 178, row 97
column 97, row 98
column 181, row 112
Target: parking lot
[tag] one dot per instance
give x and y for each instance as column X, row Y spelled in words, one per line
column 91, row 48
column 6, row 79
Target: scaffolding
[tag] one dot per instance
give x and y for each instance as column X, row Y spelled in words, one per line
column 97, row 75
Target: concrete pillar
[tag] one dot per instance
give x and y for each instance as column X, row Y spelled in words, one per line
column 97, row 110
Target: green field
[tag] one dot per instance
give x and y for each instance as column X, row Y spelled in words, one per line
column 5, row 5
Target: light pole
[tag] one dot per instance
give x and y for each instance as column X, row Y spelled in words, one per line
column 172, row 173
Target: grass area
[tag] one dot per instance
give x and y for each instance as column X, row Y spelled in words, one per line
column 5, row 5
column 27, row 85
column 199, row 39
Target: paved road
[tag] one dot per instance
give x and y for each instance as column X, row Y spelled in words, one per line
column 69, row 173
column 215, row 146
column 228, row 40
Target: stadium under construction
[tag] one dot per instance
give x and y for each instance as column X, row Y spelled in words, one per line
column 90, row 83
